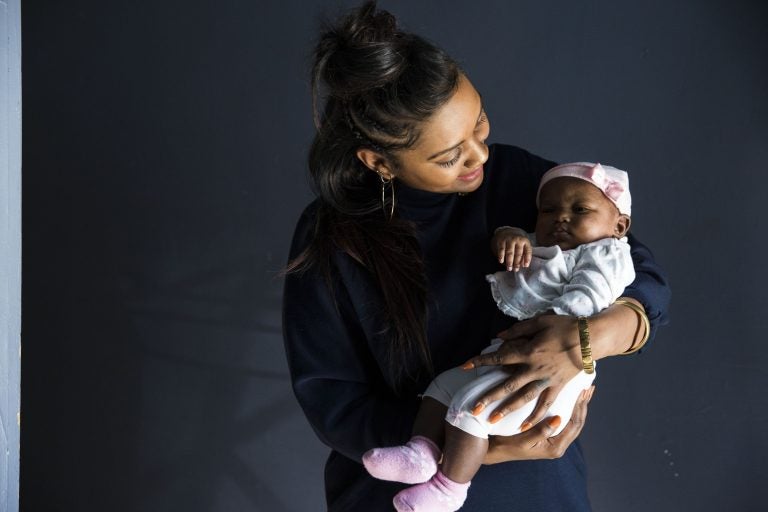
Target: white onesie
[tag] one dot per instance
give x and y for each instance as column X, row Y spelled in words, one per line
column 578, row 282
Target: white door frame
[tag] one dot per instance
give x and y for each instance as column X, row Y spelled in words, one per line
column 10, row 251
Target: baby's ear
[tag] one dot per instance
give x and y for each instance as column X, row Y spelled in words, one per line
column 622, row 226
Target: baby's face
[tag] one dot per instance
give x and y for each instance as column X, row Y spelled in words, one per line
column 574, row 212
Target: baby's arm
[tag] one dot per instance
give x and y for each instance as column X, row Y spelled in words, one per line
column 512, row 247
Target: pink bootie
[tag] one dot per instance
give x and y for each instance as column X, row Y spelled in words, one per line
column 440, row 494
column 411, row 463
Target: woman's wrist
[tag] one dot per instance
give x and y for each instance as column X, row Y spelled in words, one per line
column 616, row 330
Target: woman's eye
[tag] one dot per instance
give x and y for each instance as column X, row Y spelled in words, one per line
column 482, row 120
column 452, row 161
column 449, row 163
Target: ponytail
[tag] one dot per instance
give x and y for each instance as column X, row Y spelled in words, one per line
column 377, row 86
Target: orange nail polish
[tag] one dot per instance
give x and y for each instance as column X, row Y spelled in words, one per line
column 526, row 426
column 468, row 365
column 478, row 409
column 554, row 421
column 495, row 417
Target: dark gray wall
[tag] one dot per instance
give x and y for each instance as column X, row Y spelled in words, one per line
column 164, row 148
column 10, row 251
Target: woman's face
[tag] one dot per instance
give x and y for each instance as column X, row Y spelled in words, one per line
column 574, row 212
column 451, row 151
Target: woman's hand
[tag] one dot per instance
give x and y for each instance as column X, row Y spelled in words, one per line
column 536, row 443
column 541, row 355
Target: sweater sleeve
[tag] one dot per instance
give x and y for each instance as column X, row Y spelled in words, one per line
column 335, row 376
column 650, row 287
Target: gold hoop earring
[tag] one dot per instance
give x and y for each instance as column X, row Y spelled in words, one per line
column 387, row 182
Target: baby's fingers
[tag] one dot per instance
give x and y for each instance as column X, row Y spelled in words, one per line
column 502, row 250
column 527, row 255
column 515, row 255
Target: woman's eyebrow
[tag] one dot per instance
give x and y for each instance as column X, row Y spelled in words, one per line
column 442, row 152
column 445, row 151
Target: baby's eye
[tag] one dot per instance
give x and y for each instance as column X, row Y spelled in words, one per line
column 580, row 209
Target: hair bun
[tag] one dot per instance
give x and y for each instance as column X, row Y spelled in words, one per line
column 366, row 25
column 361, row 53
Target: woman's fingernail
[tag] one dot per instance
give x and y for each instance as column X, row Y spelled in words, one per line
column 478, row 409
column 526, row 426
column 495, row 417
column 468, row 365
column 554, row 421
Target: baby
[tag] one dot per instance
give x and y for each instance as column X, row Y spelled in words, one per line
column 577, row 263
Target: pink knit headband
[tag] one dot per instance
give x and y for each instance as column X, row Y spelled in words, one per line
column 613, row 182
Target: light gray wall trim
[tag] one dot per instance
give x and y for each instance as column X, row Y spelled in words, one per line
column 10, row 251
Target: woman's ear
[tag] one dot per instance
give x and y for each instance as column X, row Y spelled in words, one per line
column 622, row 226
column 375, row 162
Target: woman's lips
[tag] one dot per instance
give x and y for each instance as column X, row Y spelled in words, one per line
column 472, row 175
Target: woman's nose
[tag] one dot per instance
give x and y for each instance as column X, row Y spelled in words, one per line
column 478, row 155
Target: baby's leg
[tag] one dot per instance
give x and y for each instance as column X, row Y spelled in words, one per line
column 463, row 454
column 415, row 461
column 430, row 421
column 446, row 491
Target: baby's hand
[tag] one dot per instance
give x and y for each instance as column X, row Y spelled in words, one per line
column 512, row 247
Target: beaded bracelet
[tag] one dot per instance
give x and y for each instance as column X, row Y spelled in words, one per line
column 586, row 349
column 646, row 324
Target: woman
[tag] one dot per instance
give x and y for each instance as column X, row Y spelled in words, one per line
column 386, row 281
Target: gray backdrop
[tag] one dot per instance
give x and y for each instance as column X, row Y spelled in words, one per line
column 164, row 168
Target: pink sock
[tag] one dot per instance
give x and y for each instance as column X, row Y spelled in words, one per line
column 440, row 494
column 411, row 463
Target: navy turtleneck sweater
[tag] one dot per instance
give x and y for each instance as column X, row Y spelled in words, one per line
column 338, row 357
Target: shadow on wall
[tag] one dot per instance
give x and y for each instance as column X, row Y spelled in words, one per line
column 183, row 401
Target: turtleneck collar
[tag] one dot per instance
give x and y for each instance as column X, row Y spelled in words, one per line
column 415, row 204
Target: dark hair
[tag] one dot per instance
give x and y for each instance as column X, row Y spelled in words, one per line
column 380, row 85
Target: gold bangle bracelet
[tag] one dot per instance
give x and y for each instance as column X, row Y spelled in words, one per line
column 646, row 325
column 586, row 350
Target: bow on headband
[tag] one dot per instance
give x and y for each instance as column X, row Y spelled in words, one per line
column 611, row 188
